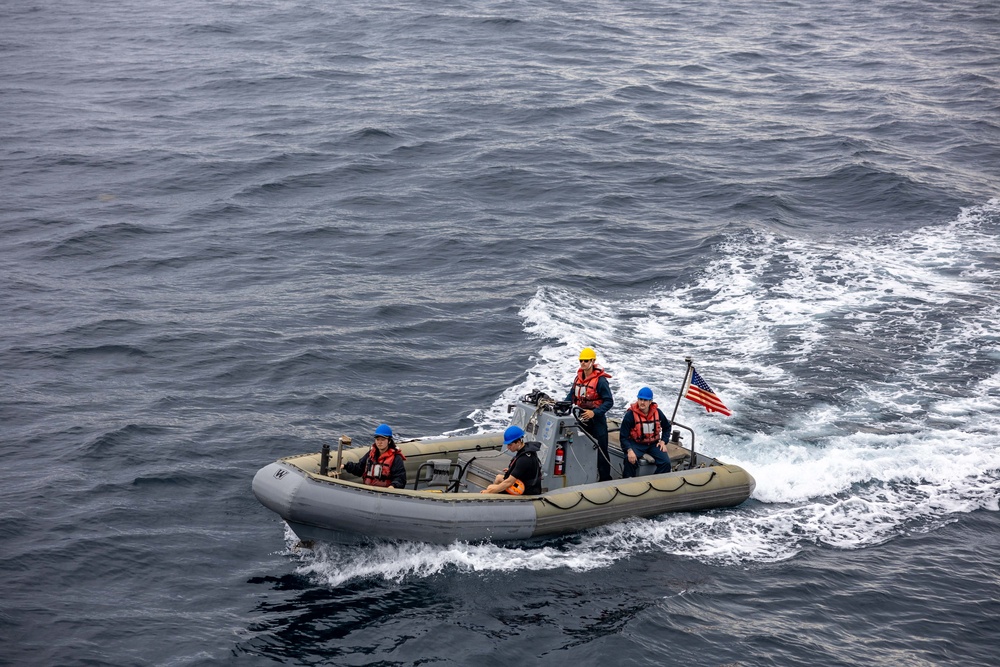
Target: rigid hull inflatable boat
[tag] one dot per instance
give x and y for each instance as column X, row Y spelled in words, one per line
column 442, row 502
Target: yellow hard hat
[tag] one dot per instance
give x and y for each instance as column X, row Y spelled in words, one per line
column 587, row 353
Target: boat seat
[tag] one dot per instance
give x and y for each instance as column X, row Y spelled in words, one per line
column 675, row 451
column 482, row 467
column 677, row 455
column 436, row 474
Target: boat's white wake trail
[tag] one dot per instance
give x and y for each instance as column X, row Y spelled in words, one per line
column 864, row 374
column 394, row 561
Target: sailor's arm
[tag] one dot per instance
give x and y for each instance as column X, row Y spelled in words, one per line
column 398, row 474
column 664, row 431
column 607, row 399
column 625, row 437
column 356, row 468
column 501, row 486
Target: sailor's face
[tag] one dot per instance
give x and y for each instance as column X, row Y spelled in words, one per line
column 382, row 443
column 516, row 445
column 644, row 404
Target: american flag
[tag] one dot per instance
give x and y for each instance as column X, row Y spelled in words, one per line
column 699, row 392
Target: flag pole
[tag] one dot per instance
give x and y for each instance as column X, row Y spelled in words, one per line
column 680, row 395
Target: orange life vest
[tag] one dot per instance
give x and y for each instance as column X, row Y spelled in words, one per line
column 647, row 429
column 378, row 472
column 585, row 391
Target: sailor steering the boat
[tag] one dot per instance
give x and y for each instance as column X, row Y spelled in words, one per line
column 592, row 394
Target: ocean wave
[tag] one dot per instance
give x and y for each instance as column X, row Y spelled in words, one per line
column 98, row 239
column 125, row 441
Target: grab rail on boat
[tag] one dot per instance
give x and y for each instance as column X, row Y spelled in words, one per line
column 676, row 439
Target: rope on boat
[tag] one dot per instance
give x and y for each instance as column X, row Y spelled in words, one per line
column 650, row 486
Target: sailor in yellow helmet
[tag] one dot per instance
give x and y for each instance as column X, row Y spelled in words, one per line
column 592, row 393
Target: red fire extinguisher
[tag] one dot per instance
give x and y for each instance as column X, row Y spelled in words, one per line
column 560, row 465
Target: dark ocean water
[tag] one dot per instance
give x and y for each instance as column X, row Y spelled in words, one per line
column 233, row 231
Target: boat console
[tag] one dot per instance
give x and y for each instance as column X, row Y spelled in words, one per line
column 568, row 455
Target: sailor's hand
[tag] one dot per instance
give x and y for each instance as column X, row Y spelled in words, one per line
column 631, row 457
column 587, row 415
column 662, row 445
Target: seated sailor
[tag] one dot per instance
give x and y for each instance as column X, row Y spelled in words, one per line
column 643, row 430
column 382, row 465
column 524, row 474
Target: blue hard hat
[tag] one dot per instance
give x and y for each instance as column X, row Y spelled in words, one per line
column 384, row 431
column 512, row 434
column 645, row 394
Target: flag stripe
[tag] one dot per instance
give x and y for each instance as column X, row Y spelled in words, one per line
column 699, row 392
column 710, row 401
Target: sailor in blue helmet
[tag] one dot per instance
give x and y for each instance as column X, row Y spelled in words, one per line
column 523, row 477
column 644, row 430
column 382, row 465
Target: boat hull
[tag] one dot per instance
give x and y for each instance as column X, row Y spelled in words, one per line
column 323, row 508
column 446, row 473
